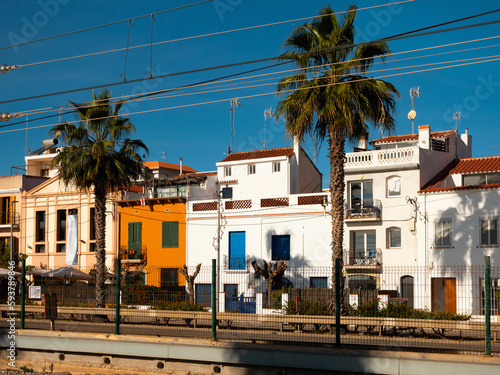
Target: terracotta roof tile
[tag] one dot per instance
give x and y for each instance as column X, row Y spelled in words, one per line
column 477, row 165
column 464, row 166
column 163, row 164
column 259, row 154
column 411, row 137
column 136, row 189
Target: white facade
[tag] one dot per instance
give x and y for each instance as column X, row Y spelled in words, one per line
column 272, row 208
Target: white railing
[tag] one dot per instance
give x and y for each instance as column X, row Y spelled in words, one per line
column 381, row 157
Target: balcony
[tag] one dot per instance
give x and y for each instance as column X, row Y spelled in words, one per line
column 381, row 158
column 6, row 219
column 364, row 212
column 362, row 258
column 137, row 255
column 236, row 264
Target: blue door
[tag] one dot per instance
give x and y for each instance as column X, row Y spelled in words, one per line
column 237, row 250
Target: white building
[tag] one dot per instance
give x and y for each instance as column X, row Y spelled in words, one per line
column 273, row 208
column 421, row 214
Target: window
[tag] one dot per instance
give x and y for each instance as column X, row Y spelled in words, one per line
column 276, row 167
column 134, row 240
column 251, row 169
column 92, row 229
column 227, row 171
column 394, row 186
column 443, row 233
column 40, row 226
column 227, row 193
column 394, row 237
column 494, row 296
column 203, row 293
column 169, row 277
column 489, row 231
column 318, row 282
column 280, row 247
column 40, row 248
column 361, row 195
column 481, row 179
column 364, row 249
column 170, row 234
column 61, row 225
column 61, row 248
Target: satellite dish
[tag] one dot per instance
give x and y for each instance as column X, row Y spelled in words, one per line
column 412, row 114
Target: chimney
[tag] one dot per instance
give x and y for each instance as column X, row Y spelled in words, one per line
column 296, row 148
column 180, row 167
column 424, row 134
column 467, row 140
column 362, row 143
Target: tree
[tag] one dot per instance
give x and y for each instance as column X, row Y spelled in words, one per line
column 99, row 157
column 190, row 279
column 272, row 273
column 330, row 96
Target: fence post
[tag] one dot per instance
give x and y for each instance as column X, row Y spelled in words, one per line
column 487, row 314
column 117, row 302
column 337, row 301
column 23, row 287
column 214, row 308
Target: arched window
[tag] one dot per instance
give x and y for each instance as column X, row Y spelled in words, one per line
column 394, row 186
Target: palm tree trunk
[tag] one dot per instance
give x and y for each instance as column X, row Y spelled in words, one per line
column 336, row 142
column 100, row 252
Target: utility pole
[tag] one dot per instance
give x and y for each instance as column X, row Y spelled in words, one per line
column 11, row 226
column 234, row 104
column 218, row 251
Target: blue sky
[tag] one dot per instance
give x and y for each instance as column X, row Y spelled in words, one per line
column 200, row 133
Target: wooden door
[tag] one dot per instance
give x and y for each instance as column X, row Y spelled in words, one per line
column 450, row 295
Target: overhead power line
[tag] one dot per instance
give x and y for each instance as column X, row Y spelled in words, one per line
column 104, row 25
column 272, row 93
column 405, row 35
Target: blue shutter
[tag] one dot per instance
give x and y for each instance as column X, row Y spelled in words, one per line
column 237, row 250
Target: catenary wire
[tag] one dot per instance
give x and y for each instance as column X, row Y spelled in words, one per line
column 268, row 93
column 409, row 34
column 130, row 100
column 186, row 38
column 104, row 25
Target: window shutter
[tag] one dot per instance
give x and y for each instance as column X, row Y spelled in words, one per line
column 170, row 234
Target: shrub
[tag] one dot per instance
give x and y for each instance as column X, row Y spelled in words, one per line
column 401, row 310
column 308, row 308
column 178, row 306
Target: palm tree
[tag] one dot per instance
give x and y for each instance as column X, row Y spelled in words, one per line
column 101, row 158
column 331, row 97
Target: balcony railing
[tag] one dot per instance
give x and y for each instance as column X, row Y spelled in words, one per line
column 133, row 255
column 381, row 157
column 241, row 264
column 364, row 211
column 363, row 257
column 7, row 219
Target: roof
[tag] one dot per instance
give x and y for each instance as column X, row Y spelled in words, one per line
column 412, row 137
column 464, row 166
column 136, row 189
column 259, row 154
column 165, row 165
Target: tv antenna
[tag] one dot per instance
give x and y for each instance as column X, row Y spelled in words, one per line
column 163, row 154
column 457, row 116
column 412, row 114
column 267, row 113
column 234, row 104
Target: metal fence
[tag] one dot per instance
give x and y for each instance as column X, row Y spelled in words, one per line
column 442, row 309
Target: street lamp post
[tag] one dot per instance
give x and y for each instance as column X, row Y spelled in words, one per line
column 11, row 226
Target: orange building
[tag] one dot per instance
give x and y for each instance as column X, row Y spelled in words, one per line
column 153, row 239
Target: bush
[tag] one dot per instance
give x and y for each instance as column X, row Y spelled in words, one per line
column 401, row 310
column 178, row 306
column 136, row 294
column 319, row 307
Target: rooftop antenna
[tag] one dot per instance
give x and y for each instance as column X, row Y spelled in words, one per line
column 234, row 104
column 412, row 114
column 456, row 117
column 163, row 154
column 267, row 113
